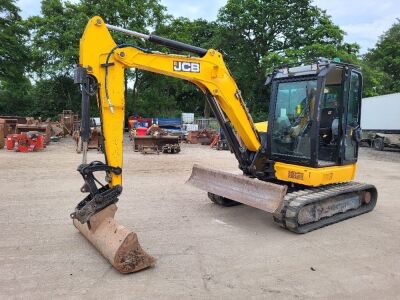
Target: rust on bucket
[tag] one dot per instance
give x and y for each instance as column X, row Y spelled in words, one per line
column 115, row 242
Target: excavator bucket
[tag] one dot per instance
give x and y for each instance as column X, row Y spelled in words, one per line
column 253, row 192
column 115, row 242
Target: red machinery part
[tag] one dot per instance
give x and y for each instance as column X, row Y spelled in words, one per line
column 22, row 143
column 136, row 121
column 140, row 131
column 10, row 143
column 25, row 141
column 39, row 142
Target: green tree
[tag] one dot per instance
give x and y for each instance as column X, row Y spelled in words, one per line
column 383, row 62
column 254, row 35
column 55, row 45
column 55, row 38
column 137, row 15
column 51, row 96
column 258, row 34
column 166, row 96
column 14, row 60
column 374, row 80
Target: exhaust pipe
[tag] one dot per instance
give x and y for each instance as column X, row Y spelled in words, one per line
column 115, row 242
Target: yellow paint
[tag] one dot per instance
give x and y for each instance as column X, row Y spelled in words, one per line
column 261, row 126
column 314, row 176
column 298, row 110
column 213, row 76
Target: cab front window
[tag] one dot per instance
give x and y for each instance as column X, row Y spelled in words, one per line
column 293, row 118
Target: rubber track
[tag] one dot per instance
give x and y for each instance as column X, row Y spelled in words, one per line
column 294, row 201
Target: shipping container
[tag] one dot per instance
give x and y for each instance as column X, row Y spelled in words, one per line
column 381, row 113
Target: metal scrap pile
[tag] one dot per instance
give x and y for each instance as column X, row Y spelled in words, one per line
column 23, row 133
column 27, row 130
column 156, row 140
column 56, row 131
column 201, row 130
column 36, row 125
column 219, row 142
column 25, row 141
column 69, row 122
column 95, row 138
column 155, row 130
column 204, row 137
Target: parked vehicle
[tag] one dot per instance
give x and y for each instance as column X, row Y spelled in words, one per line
column 380, row 121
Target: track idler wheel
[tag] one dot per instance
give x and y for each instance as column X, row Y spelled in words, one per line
column 222, row 200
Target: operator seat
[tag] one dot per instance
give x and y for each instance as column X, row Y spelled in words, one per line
column 327, row 124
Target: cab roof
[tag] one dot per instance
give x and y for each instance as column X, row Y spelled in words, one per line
column 309, row 69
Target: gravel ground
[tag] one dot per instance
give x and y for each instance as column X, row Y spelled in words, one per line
column 389, row 155
column 203, row 251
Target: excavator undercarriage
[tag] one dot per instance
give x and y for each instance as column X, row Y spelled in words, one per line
column 300, row 210
column 308, row 209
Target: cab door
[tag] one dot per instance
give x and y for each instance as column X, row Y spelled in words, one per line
column 351, row 117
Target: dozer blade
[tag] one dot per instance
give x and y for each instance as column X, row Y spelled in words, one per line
column 253, row 192
column 115, row 242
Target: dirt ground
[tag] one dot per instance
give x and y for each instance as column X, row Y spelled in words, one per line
column 203, row 251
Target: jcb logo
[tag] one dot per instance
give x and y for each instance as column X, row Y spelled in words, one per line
column 184, row 66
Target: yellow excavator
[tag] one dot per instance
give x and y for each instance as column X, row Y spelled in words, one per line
column 299, row 166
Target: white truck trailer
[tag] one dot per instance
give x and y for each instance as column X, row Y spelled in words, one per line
column 380, row 121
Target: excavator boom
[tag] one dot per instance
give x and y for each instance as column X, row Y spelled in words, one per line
column 105, row 61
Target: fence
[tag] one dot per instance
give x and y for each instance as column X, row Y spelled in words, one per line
column 205, row 123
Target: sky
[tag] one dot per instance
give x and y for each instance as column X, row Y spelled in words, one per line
column 362, row 20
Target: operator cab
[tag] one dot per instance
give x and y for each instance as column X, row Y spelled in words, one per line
column 315, row 114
